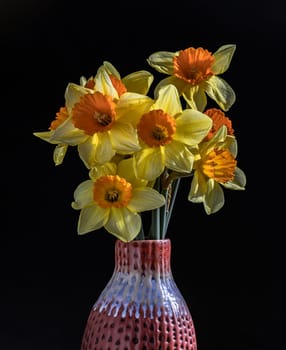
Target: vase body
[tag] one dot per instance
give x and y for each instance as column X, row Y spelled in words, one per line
column 141, row 307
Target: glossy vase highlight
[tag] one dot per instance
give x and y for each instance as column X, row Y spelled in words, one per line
column 141, row 307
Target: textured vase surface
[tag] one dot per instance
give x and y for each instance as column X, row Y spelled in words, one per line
column 141, row 307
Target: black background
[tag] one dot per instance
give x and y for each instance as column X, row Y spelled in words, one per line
column 223, row 264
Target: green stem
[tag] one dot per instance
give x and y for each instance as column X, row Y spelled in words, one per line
column 175, row 187
column 140, row 235
column 155, row 224
column 163, row 214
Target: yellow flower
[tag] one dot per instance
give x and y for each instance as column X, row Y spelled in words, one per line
column 61, row 148
column 194, row 71
column 138, row 82
column 98, row 120
column 165, row 133
column 216, row 168
column 113, row 199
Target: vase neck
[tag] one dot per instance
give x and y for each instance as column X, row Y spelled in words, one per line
column 143, row 256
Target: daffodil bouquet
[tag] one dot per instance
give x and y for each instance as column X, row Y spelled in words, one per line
column 136, row 148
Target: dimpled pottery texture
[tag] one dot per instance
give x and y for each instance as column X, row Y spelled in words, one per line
column 141, row 308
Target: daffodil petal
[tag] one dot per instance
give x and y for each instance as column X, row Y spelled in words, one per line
column 131, row 106
column 214, row 198
column 111, row 69
column 217, row 140
column 178, row 157
column 46, row 136
column 59, row 153
column 102, row 170
column 145, row 198
column 123, row 224
column 239, row 181
column 168, row 100
column 198, row 188
column 231, row 144
column 124, row 138
column 67, row 133
column 195, row 97
column 223, row 57
column 96, row 150
column 220, row 91
column 92, row 218
column 192, row 126
column 104, row 85
column 126, row 170
column 138, row 82
column 73, row 93
column 162, row 61
column 83, row 195
column 147, row 157
column 171, row 80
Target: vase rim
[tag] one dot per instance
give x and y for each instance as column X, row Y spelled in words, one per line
column 145, row 240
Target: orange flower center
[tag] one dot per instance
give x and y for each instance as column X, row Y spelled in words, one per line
column 219, row 165
column 61, row 116
column 193, row 65
column 94, row 113
column 112, row 191
column 90, row 84
column 156, row 128
column 118, row 85
column 219, row 118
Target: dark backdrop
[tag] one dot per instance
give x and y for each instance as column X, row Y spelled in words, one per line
column 50, row 276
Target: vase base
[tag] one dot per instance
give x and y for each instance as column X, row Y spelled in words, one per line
column 107, row 332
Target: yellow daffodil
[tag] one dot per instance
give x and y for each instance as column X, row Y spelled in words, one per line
column 194, row 71
column 166, row 132
column 138, row 82
column 216, row 168
column 98, row 120
column 113, row 198
column 137, row 148
column 60, row 148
